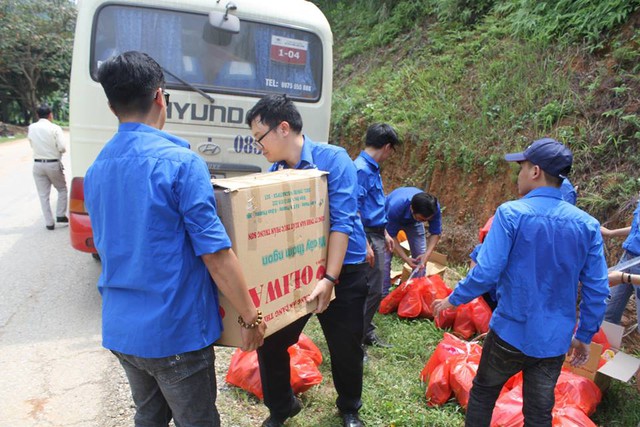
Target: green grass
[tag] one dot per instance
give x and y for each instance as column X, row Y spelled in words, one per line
column 394, row 396
column 12, row 138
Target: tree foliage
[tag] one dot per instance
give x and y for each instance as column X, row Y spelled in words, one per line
column 36, row 40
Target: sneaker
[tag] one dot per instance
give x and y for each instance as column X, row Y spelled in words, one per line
column 62, row 219
column 296, row 407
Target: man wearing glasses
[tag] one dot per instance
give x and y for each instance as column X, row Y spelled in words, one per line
column 156, row 229
column 276, row 126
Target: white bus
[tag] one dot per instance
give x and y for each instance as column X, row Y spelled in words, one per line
column 219, row 58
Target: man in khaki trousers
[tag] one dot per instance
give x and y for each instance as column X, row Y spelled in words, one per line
column 48, row 145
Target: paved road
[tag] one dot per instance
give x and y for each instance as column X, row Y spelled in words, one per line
column 54, row 370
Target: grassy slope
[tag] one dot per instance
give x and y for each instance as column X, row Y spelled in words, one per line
column 462, row 96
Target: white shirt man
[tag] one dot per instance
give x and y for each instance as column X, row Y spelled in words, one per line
column 47, row 143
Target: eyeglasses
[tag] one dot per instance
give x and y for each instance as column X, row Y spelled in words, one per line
column 259, row 140
column 166, row 96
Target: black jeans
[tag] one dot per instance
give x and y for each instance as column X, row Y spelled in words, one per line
column 342, row 325
column 182, row 387
column 499, row 362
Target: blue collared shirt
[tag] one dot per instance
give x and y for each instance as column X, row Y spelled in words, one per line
column 399, row 215
column 153, row 215
column 632, row 242
column 342, row 185
column 538, row 249
column 371, row 199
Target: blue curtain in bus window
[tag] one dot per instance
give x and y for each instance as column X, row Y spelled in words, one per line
column 293, row 78
column 155, row 33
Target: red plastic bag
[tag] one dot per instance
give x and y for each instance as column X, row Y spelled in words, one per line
column 601, row 338
column 244, row 373
column 411, row 305
column 305, row 357
column 570, row 416
column 435, row 289
column 309, row 348
column 508, row 409
column 580, row 392
column 438, row 389
column 463, row 325
column 481, row 315
column 462, row 371
column 448, row 347
column 304, row 370
column 445, row 318
column 390, row 303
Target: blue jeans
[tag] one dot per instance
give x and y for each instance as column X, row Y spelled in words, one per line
column 417, row 239
column 182, row 387
column 619, row 295
column 499, row 362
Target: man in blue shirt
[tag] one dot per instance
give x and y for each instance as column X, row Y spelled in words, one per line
column 408, row 208
column 380, row 143
column 538, row 249
column 160, row 241
column 276, row 126
column 621, row 293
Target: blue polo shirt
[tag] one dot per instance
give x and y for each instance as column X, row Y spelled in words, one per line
column 398, row 207
column 632, row 242
column 342, row 184
column 371, row 199
column 538, row 249
column 153, row 215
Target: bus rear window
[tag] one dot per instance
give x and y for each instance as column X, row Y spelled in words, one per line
column 261, row 59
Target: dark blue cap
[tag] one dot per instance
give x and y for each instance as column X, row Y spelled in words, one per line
column 552, row 157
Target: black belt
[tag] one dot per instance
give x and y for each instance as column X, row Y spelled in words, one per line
column 377, row 230
column 45, row 160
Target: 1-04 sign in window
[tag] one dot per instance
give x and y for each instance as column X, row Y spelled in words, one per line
column 289, row 51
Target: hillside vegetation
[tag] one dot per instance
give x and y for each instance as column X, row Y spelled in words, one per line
column 466, row 81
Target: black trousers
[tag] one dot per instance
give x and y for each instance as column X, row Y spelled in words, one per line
column 342, row 327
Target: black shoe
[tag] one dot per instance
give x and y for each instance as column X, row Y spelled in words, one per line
column 374, row 340
column 62, row 219
column 50, row 227
column 351, row 420
column 274, row 422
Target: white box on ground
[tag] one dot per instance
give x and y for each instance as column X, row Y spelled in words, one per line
column 622, row 367
column 278, row 223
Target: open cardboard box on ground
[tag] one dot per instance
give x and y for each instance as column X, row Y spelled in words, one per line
column 622, row 367
column 278, row 223
column 437, row 263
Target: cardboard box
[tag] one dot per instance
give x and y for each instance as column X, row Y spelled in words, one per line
column 437, row 264
column 278, row 223
column 622, row 367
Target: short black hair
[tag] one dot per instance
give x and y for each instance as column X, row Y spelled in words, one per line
column 129, row 80
column 43, row 111
column 274, row 109
column 381, row 134
column 424, row 204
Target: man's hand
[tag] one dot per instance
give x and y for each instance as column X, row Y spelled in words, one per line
column 421, row 260
column 371, row 257
column 252, row 338
column 615, row 278
column 579, row 353
column 322, row 294
column 440, row 305
column 388, row 240
column 605, row 231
